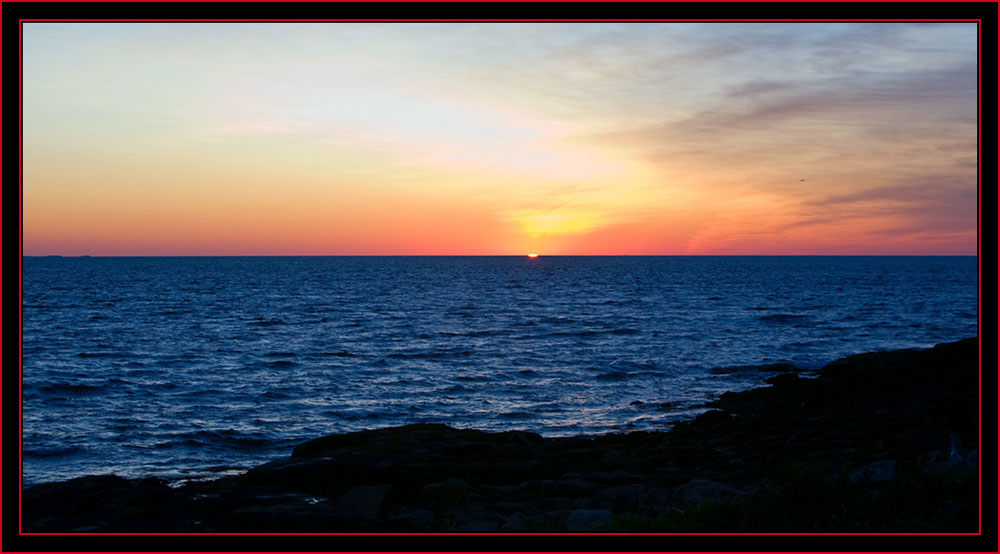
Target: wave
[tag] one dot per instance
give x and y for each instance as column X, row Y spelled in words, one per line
column 782, row 318
column 584, row 333
column 281, row 393
column 485, row 333
column 228, row 438
column 516, row 414
column 614, row 376
column 756, row 368
column 622, row 365
column 479, row 333
column 50, row 452
column 338, row 354
column 593, row 332
column 432, row 355
column 185, row 311
column 267, row 322
column 628, row 302
column 104, row 355
column 73, row 389
column 558, row 320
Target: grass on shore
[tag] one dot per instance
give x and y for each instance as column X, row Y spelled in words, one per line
column 800, row 497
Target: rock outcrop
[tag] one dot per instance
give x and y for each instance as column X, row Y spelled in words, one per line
column 803, row 454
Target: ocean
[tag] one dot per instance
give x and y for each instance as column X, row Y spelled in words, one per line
column 197, row 367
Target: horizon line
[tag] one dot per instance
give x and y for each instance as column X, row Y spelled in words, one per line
column 483, row 255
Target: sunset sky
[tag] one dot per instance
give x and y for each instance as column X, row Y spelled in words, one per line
column 501, row 138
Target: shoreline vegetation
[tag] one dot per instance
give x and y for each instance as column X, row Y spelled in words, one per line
column 878, row 442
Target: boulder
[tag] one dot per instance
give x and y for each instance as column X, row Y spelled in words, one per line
column 449, row 494
column 582, row 520
column 875, row 472
column 478, row 527
column 700, row 490
column 363, row 503
column 512, row 522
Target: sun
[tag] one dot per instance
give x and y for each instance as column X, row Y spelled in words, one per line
column 532, row 255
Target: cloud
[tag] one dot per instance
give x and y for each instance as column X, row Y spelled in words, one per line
column 932, row 203
column 843, row 128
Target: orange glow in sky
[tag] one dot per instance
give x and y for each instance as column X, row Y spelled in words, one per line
column 499, row 139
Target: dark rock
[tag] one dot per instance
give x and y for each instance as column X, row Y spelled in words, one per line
column 783, row 379
column 446, row 495
column 700, row 490
column 299, row 474
column 875, row 472
column 567, row 488
column 711, row 418
column 622, row 498
column 409, row 519
column 478, row 527
column 105, row 501
column 605, row 477
column 513, row 522
column 364, row 503
column 581, row 520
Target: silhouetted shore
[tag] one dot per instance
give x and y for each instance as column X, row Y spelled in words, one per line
column 879, row 442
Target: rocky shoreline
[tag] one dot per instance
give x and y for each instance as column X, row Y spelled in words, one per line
column 878, row 442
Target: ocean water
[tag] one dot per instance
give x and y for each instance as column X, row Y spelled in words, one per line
column 193, row 367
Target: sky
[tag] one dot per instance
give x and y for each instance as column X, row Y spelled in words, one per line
column 499, row 138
